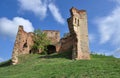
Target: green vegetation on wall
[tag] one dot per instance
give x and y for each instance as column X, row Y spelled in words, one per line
column 40, row 42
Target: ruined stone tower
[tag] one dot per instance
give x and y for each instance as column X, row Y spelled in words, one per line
column 79, row 31
column 22, row 44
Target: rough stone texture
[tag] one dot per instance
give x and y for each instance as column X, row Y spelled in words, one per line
column 77, row 41
column 66, row 44
column 24, row 41
column 53, row 36
column 22, row 44
column 79, row 31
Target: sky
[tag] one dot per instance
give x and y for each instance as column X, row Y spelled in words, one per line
column 103, row 22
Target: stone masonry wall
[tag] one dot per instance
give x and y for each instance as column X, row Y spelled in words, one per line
column 24, row 41
column 22, row 44
column 53, row 36
column 78, row 29
column 66, row 44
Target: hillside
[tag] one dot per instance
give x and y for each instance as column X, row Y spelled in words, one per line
column 58, row 66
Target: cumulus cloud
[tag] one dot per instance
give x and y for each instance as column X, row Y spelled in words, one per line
column 109, row 26
column 36, row 6
column 55, row 12
column 10, row 27
column 40, row 8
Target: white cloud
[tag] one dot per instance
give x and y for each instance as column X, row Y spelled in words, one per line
column 1, row 59
column 116, row 53
column 55, row 12
column 10, row 27
column 109, row 26
column 40, row 8
column 91, row 38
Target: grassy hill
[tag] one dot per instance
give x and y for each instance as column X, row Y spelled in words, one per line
column 58, row 66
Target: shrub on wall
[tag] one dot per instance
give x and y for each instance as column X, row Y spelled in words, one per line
column 40, row 42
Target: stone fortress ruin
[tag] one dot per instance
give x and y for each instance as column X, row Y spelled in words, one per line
column 76, row 41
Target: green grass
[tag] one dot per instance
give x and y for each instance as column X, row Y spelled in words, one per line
column 59, row 66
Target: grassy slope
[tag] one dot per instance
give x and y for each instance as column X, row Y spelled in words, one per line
column 55, row 66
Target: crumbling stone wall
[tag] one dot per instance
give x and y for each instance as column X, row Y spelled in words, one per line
column 53, row 36
column 24, row 41
column 66, row 44
column 22, row 45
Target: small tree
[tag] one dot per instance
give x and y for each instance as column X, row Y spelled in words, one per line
column 40, row 42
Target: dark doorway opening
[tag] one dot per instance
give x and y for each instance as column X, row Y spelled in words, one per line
column 51, row 49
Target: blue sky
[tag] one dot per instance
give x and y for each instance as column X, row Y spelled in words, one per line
column 103, row 21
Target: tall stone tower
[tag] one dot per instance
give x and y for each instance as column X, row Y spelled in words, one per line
column 78, row 29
